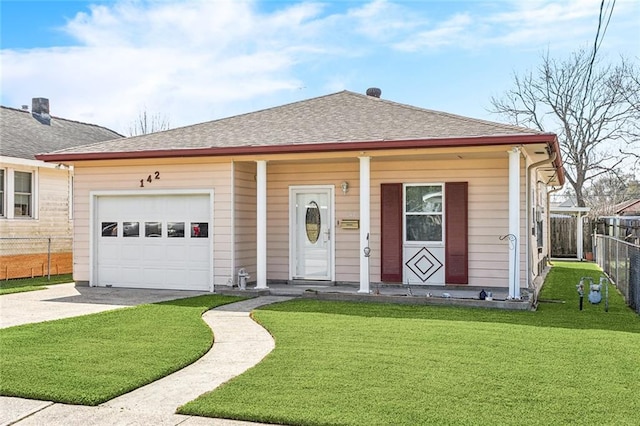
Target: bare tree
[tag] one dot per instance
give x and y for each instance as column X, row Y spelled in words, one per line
column 633, row 131
column 145, row 124
column 592, row 108
column 609, row 190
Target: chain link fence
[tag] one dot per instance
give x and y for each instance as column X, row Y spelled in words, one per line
column 31, row 257
column 620, row 260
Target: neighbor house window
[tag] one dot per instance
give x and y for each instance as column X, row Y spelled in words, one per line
column 423, row 213
column 2, row 192
column 540, row 233
column 23, row 194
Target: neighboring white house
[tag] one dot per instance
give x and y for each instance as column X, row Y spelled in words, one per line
column 36, row 197
column 568, row 208
column 343, row 188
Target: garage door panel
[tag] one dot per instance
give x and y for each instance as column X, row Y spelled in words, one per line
column 196, row 254
column 180, row 208
column 198, row 276
column 178, row 253
column 132, row 252
column 172, row 260
column 110, row 252
column 176, row 278
column 111, row 275
column 153, row 253
column 154, row 276
column 130, row 275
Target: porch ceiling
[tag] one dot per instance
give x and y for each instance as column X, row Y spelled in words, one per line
column 536, row 153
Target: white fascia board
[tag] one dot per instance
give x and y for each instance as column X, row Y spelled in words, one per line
column 28, row 163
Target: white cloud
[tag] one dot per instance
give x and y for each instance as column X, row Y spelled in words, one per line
column 193, row 61
column 183, row 60
column 450, row 32
column 382, row 20
column 528, row 25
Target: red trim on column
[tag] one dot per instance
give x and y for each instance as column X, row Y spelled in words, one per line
column 456, row 243
column 391, row 232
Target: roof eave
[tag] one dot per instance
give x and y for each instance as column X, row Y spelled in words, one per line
column 518, row 139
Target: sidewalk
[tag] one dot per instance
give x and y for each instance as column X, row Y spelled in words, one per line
column 240, row 344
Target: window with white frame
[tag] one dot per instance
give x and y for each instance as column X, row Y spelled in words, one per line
column 2, row 192
column 23, row 194
column 423, row 212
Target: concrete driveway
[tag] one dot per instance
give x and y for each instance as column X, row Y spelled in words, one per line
column 240, row 343
column 67, row 300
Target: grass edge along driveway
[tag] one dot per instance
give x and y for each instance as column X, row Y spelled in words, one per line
column 339, row 363
column 91, row 359
column 21, row 285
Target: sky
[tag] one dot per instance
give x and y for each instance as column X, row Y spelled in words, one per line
column 187, row 62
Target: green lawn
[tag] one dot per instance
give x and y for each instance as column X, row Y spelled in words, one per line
column 91, row 359
column 30, row 284
column 372, row 364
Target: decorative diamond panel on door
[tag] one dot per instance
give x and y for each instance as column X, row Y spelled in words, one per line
column 424, row 265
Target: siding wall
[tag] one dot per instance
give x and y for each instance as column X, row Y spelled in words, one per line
column 488, row 207
column 52, row 214
column 196, row 174
column 538, row 191
column 488, row 211
column 347, row 206
column 21, row 258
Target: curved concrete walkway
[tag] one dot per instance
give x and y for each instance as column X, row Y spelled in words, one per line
column 240, row 343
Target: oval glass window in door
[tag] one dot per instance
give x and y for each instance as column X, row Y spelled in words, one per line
column 312, row 222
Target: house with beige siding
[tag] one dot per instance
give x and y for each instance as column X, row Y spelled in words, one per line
column 35, row 196
column 343, row 188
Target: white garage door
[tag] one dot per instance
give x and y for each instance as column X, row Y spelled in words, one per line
column 154, row 241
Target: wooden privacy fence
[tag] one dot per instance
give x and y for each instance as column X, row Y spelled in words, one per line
column 563, row 233
column 35, row 257
column 626, row 228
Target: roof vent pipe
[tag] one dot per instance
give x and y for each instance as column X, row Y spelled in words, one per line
column 374, row 91
column 40, row 110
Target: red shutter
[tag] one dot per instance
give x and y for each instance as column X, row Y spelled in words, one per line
column 391, row 231
column 456, row 244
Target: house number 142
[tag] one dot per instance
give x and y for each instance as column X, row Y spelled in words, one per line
column 150, row 178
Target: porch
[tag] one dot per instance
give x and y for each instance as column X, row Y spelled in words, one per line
column 448, row 295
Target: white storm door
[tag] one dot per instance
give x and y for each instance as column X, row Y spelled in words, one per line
column 311, row 233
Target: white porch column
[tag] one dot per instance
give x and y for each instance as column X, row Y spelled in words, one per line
column 261, row 225
column 514, row 223
column 365, row 222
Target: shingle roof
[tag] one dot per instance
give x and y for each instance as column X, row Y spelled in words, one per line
column 22, row 136
column 627, row 207
column 340, row 117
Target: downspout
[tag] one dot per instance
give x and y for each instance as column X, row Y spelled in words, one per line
column 549, row 216
column 529, row 255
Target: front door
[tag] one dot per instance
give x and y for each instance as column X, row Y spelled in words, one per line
column 311, row 227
